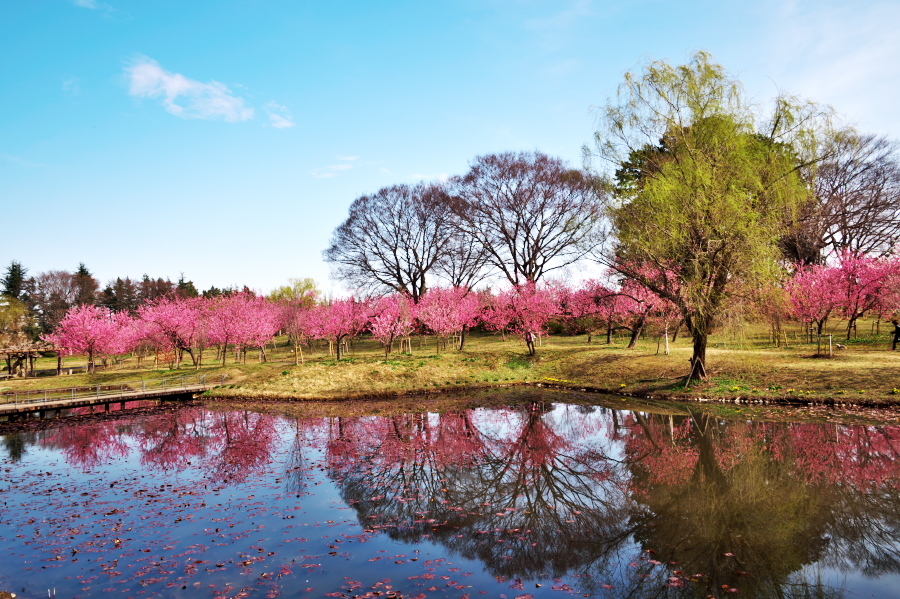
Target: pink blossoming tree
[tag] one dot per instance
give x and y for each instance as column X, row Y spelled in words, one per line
column 449, row 311
column 393, row 318
column 91, row 330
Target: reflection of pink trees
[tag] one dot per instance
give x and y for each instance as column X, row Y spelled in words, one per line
column 769, row 493
column 243, row 443
column 229, row 445
column 865, row 458
column 171, row 441
column 90, row 444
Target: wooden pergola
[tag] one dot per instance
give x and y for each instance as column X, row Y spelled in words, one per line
column 20, row 356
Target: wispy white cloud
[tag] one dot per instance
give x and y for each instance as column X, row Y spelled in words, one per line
column 93, row 5
column 564, row 18
column 332, row 170
column 72, row 86
column 555, row 31
column 184, row 97
column 844, row 54
column 279, row 116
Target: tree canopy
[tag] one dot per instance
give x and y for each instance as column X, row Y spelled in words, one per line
column 392, row 239
column 529, row 213
column 705, row 188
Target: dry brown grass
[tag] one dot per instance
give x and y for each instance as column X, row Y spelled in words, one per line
column 865, row 371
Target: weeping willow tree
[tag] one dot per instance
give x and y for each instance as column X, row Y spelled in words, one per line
column 704, row 187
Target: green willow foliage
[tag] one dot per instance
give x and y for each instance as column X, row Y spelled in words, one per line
column 703, row 191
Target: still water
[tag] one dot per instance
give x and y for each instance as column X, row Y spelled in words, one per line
column 540, row 499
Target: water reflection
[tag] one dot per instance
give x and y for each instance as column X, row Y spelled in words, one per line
column 618, row 504
column 529, row 493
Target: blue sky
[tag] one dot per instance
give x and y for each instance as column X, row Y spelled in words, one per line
column 225, row 140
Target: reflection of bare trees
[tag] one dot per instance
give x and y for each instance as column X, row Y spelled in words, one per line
column 300, row 465
column 527, row 492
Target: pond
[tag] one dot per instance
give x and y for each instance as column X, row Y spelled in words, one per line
column 553, row 496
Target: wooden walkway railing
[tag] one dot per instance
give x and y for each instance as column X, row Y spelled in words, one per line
column 13, row 401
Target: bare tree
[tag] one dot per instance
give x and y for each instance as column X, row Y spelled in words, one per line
column 50, row 295
column 462, row 263
column 528, row 212
column 392, row 239
column 857, row 201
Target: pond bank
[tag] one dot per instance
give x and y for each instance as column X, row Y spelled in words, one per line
column 864, row 376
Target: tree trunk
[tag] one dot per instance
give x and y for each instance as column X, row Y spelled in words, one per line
column 636, row 332
column 851, row 326
column 677, row 328
column 190, row 352
column 529, row 341
column 698, row 359
column 337, row 345
column 462, row 338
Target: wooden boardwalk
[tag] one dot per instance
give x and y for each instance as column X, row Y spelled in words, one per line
column 48, row 402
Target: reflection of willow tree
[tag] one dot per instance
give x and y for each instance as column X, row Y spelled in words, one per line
column 779, row 498
column 16, row 445
column 527, row 492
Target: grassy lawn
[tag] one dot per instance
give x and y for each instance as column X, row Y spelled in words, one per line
column 753, row 368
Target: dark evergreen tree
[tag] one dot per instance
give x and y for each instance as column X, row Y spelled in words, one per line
column 14, row 281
